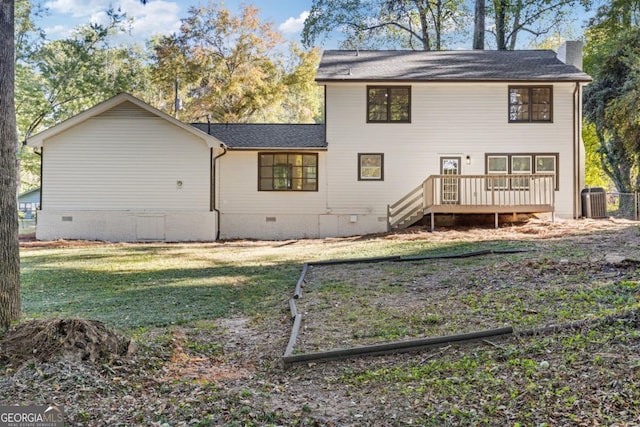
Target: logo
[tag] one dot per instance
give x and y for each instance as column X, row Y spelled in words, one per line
column 31, row 416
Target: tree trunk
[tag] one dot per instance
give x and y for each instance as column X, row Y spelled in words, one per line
column 424, row 27
column 501, row 23
column 478, row 25
column 438, row 24
column 517, row 12
column 9, row 243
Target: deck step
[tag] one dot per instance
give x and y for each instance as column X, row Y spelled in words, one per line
column 409, row 221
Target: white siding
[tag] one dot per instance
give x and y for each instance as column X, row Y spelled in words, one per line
column 126, row 162
column 126, row 175
column 247, row 212
column 446, row 119
column 238, row 172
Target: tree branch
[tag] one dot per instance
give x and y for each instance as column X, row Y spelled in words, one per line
column 385, row 24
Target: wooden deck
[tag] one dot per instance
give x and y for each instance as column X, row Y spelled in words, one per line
column 474, row 194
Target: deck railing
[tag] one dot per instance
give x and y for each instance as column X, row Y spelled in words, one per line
column 479, row 194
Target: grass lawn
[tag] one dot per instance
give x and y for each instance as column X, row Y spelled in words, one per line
column 132, row 286
column 141, row 286
column 212, row 320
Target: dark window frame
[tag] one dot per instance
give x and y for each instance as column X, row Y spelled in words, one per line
column 533, row 166
column 360, row 177
column 290, row 177
column 388, row 95
column 530, row 104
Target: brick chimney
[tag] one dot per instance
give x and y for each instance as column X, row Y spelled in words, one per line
column 570, row 52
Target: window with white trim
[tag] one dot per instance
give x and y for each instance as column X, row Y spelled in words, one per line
column 521, row 163
column 498, row 165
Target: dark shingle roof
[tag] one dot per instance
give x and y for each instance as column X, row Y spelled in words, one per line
column 265, row 136
column 476, row 65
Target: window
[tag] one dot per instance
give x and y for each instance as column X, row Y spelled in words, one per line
column 520, row 165
column 388, row 104
column 545, row 164
column 503, row 164
column 287, row 172
column 498, row 165
column 370, row 167
column 530, row 104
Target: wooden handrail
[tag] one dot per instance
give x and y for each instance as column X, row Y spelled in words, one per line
column 482, row 193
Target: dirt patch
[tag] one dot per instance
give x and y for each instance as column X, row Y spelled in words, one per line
column 184, row 365
column 68, row 339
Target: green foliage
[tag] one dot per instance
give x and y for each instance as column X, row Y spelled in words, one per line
column 594, row 174
column 302, row 99
column 613, row 59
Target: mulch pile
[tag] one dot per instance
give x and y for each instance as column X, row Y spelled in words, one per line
column 67, row 339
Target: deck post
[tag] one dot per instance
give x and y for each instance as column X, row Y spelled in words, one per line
column 433, row 224
column 496, row 217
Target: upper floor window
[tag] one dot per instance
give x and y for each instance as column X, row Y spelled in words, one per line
column 530, row 104
column 388, row 104
column 287, row 172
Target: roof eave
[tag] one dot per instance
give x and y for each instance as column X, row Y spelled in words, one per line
column 38, row 139
column 278, row 148
column 405, row 81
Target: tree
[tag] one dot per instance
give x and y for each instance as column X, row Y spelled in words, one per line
column 612, row 58
column 414, row 24
column 10, row 304
column 611, row 104
column 224, row 67
column 302, row 98
column 536, row 17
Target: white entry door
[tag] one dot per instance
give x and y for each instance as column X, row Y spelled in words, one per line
column 450, row 191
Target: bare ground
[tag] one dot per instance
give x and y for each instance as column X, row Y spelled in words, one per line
column 231, row 374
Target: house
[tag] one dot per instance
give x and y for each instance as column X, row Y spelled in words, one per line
column 29, row 203
column 406, row 134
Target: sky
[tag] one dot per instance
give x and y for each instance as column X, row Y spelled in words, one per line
column 163, row 16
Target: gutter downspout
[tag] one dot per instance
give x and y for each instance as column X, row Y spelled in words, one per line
column 39, row 153
column 576, row 153
column 213, row 187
